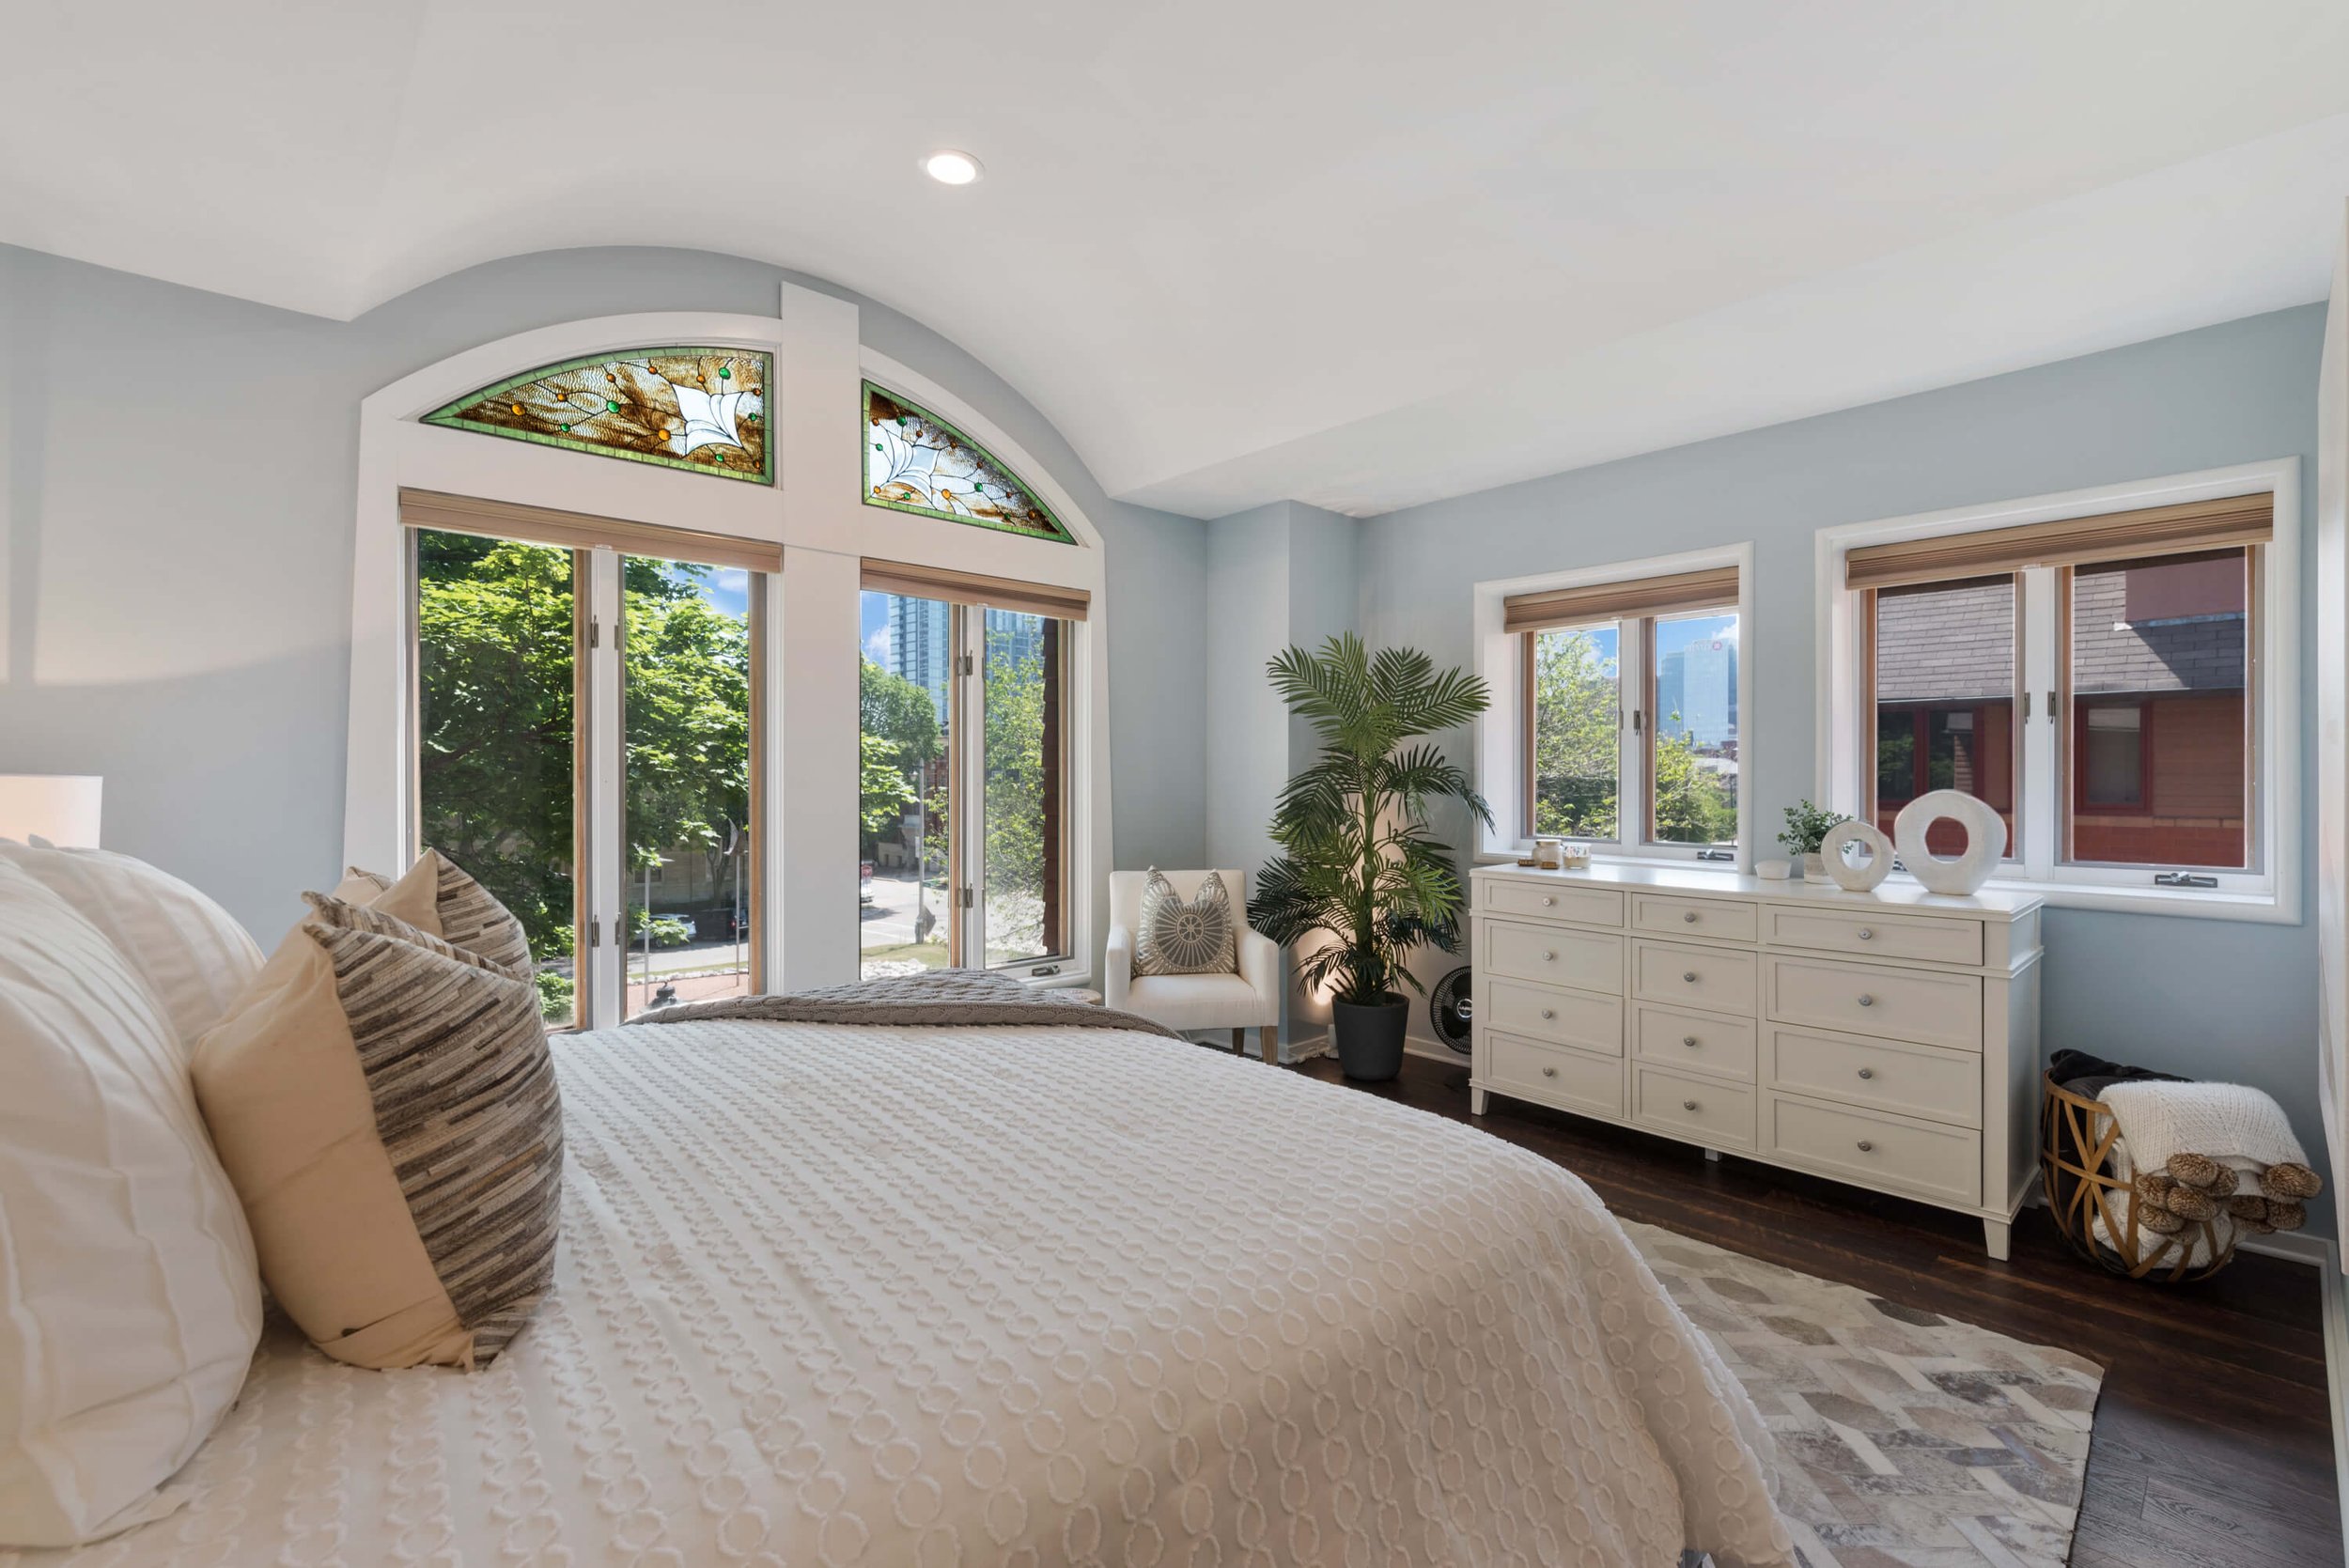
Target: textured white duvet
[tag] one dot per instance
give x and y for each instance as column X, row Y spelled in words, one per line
column 929, row 1297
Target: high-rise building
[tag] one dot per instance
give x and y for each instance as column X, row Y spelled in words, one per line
column 921, row 645
column 1696, row 691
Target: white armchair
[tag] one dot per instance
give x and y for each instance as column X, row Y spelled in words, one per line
column 1183, row 1002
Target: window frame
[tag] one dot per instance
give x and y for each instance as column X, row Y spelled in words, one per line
column 2270, row 889
column 1503, row 753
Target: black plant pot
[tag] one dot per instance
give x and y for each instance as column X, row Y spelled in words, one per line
column 1370, row 1039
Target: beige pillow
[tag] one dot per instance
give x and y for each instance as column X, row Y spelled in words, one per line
column 385, row 1105
column 438, row 898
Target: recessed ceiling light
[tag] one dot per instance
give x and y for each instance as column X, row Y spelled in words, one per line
column 949, row 167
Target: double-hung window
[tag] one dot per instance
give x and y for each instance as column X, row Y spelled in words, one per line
column 2104, row 679
column 962, row 806
column 1627, row 733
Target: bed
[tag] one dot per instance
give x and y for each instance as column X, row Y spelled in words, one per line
column 835, row 1294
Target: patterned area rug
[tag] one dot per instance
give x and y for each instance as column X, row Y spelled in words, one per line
column 1904, row 1439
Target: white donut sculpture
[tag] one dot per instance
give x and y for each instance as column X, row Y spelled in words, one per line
column 1986, row 841
column 1857, row 878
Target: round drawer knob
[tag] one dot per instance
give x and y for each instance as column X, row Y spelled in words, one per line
column 1866, row 1000
column 1549, row 955
column 1690, row 976
column 1866, row 935
column 1688, row 1105
column 1549, row 1072
column 1688, row 1039
column 1867, row 1072
column 1866, row 1147
column 1549, row 903
column 1691, row 918
column 1549, row 1012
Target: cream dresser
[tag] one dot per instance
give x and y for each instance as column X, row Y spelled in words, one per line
column 1887, row 1039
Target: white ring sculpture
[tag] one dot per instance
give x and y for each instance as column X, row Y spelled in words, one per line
column 1857, row 878
column 1986, row 841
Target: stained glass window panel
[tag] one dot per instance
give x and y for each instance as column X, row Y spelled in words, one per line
column 701, row 410
column 916, row 463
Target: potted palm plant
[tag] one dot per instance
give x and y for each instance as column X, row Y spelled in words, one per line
column 1357, row 865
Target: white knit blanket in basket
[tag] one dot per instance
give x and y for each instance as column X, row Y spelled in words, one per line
column 2232, row 1124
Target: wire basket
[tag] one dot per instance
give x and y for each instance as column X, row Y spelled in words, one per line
column 2098, row 1212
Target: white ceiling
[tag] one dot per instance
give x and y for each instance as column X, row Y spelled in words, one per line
column 1361, row 253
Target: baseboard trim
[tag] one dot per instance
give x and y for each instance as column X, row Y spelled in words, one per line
column 2290, row 1246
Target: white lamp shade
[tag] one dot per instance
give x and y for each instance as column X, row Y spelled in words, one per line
column 59, row 807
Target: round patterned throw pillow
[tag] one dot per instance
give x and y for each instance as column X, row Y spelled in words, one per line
column 1185, row 938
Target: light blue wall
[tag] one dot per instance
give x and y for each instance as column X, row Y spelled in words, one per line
column 177, row 476
column 2204, row 998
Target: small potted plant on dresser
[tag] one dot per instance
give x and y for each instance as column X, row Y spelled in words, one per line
column 1358, row 866
column 1805, row 828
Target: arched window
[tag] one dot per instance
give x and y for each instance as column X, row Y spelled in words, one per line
column 701, row 410
column 916, row 463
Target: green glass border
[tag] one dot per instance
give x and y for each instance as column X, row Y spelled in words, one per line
column 1060, row 534
column 446, row 417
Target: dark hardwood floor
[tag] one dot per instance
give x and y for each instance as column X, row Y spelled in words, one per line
column 2212, row 1447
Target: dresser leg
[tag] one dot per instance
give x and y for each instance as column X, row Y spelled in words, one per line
column 1713, row 1154
column 1476, row 1102
column 1994, row 1234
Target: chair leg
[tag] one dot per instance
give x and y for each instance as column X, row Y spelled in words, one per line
column 1239, row 1041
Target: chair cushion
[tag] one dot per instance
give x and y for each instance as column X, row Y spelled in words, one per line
column 191, row 953
column 1178, row 938
column 386, row 1104
column 130, row 1300
column 1201, row 1001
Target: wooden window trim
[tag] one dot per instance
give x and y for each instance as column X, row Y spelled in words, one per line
column 543, row 525
column 961, row 587
column 1631, row 598
column 2226, row 522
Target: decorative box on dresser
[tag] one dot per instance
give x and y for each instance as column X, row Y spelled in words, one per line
column 1887, row 1039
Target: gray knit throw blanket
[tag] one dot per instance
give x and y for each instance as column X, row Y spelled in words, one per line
column 947, row 996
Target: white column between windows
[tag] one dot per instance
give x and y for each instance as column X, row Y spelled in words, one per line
column 2039, row 809
column 603, row 965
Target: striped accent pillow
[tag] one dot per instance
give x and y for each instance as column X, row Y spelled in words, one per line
column 385, row 1105
column 435, row 895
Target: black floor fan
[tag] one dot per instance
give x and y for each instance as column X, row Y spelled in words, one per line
column 1448, row 1008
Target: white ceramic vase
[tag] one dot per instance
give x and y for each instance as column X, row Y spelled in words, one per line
column 1813, row 867
column 1986, row 841
column 1835, row 850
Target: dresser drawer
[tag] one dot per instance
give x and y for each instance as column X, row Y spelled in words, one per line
column 1554, row 1074
column 1561, row 1018
column 1892, row 1153
column 1886, row 1075
column 1924, row 1005
column 1716, row 918
column 1704, row 1108
column 1706, row 1041
column 1716, row 977
column 1956, row 940
column 1553, row 954
column 1552, row 901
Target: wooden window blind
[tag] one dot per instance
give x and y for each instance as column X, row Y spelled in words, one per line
column 960, row 587
column 2226, row 523
column 1608, row 602
column 505, row 520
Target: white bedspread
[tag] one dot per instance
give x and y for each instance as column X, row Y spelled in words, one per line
column 922, row 1298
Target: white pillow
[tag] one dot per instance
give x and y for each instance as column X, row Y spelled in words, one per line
column 130, row 1294
column 190, row 952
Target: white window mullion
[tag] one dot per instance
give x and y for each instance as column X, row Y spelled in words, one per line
column 1631, row 785
column 2041, row 794
column 603, row 965
column 970, row 806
